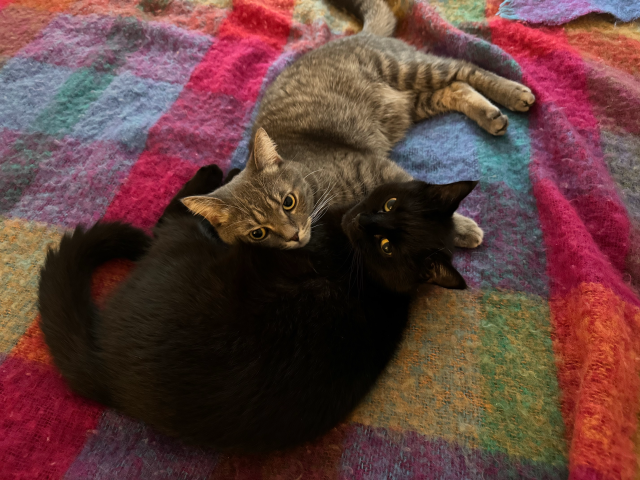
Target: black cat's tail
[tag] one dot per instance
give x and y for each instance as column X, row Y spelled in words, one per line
column 66, row 307
column 378, row 17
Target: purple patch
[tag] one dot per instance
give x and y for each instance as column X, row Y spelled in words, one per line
column 126, row 110
column 553, row 12
column 123, row 448
column 7, row 138
column 75, row 185
column 168, row 54
column 70, row 41
column 26, row 88
column 370, row 452
column 512, row 255
column 19, row 164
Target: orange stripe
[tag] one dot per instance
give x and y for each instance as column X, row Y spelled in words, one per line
column 597, row 337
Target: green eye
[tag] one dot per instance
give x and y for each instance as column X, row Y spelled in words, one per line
column 389, row 205
column 289, row 202
column 259, row 233
column 385, row 246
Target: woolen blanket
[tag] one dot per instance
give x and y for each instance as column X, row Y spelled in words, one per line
column 108, row 106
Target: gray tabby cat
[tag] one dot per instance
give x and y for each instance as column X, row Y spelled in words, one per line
column 335, row 114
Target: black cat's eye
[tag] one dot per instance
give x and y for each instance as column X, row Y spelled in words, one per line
column 289, row 202
column 385, row 246
column 388, row 206
column 259, row 233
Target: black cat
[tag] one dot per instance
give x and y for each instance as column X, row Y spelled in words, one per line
column 240, row 347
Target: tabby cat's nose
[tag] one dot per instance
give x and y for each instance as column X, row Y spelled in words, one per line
column 295, row 238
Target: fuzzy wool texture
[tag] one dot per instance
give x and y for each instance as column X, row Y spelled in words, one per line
column 108, row 107
column 552, row 12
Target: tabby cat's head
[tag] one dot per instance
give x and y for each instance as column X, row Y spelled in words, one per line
column 405, row 233
column 269, row 202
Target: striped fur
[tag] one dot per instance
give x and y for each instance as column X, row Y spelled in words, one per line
column 336, row 113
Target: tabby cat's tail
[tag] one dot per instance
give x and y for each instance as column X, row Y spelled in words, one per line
column 66, row 307
column 378, row 17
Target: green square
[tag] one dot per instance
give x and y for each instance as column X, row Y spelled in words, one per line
column 74, row 98
column 461, row 11
column 522, row 399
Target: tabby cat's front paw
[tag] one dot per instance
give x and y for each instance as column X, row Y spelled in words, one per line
column 467, row 232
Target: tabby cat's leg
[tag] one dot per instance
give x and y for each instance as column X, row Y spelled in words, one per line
column 467, row 232
column 460, row 97
column 513, row 95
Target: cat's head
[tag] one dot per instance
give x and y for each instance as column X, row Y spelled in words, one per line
column 269, row 202
column 405, row 231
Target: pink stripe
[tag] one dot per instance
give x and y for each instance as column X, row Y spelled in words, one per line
column 566, row 142
column 152, row 183
column 43, row 426
column 572, row 255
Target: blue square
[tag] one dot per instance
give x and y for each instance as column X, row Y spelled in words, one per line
column 441, row 150
column 126, row 110
column 26, row 88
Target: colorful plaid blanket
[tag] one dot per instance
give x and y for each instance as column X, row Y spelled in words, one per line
column 108, row 106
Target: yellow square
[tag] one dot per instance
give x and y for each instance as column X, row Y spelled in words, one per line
column 23, row 246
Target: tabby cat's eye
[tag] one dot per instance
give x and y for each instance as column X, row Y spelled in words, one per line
column 289, row 202
column 385, row 246
column 259, row 233
column 389, row 204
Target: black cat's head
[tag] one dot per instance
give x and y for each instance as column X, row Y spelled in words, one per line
column 405, row 233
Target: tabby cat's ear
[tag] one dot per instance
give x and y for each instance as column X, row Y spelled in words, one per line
column 441, row 272
column 213, row 209
column 264, row 155
column 448, row 197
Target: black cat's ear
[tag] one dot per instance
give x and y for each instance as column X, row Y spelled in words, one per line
column 264, row 156
column 231, row 175
column 213, row 209
column 442, row 273
column 448, row 197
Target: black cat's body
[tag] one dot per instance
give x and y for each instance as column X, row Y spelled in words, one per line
column 238, row 347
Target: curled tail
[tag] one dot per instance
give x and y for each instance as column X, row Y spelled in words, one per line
column 67, row 310
column 378, row 17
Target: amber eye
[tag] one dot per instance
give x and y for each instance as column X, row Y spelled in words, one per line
column 259, row 233
column 389, row 205
column 385, row 246
column 289, row 202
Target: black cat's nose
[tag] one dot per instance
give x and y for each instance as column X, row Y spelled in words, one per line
column 295, row 238
column 363, row 220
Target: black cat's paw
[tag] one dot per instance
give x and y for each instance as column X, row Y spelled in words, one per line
column 231, row 175
column 467, row 232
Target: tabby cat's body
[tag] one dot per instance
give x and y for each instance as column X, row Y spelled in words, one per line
column 334, row 115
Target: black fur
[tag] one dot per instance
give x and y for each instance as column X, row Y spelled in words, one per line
column 240, row 347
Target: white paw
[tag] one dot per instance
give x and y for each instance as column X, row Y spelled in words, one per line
column 467, row 232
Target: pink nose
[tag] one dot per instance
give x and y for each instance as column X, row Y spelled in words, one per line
column 295, row 238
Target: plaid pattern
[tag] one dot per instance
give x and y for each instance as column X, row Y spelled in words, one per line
column 107, row 107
